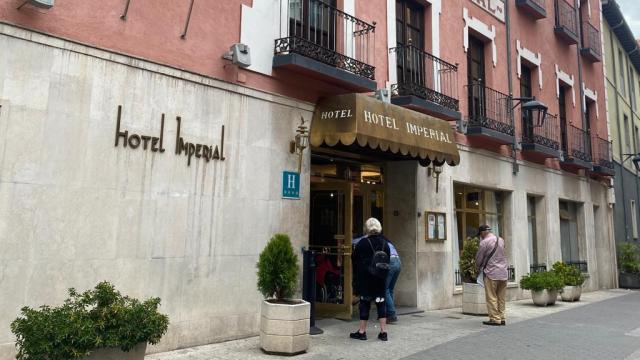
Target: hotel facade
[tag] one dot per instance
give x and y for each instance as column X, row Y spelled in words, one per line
column 138, row 149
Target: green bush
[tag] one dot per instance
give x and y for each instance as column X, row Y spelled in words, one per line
column 628, row 258
column 97, row 318
column 278, row 268
column 570, row 274
column 539, row 281
column 467, row 262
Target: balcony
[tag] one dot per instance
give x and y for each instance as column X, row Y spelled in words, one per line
column 602, row 161
column 489, row 115
column 425, row 83
column 534, row 268
column 566, row 27
column 541, row 141
column 534, row 8
column 577, row 152
column 591, row 47
column 325, row 43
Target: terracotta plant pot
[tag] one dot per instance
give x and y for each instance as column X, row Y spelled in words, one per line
column 137, row 353
column 284, row 327
column 473, row 299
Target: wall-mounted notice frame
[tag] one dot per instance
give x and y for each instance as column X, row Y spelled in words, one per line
column 436, row 226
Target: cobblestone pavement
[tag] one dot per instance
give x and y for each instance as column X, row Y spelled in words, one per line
column 583, row 330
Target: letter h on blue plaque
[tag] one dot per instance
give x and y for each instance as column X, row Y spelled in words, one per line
column 290, row 185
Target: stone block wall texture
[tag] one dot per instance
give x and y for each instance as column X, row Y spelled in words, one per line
column 76, row 210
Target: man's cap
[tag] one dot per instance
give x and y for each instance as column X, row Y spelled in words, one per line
column 484, row 228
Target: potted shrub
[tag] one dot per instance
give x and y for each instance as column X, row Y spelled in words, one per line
column 473, row 297
column 96, row 324
column 544, row 287
column 572, row 278
column 629, row 264
column 284, row 322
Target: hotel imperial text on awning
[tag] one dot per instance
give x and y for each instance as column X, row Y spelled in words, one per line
column 357, row 119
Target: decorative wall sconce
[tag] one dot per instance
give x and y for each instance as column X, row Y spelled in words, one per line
column 635, row 159
column 434, row 171
column 537, row 109
column 300, row 142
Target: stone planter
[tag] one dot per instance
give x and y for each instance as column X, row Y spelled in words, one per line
column 284, row 328
column 629, row 280
column 137, row 353
column 571, row 293
column 473, row 299
column 544, row 297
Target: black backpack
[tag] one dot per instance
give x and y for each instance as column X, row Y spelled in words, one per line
column 379, row 265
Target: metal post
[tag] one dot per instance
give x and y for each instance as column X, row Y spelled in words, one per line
column 309, row 287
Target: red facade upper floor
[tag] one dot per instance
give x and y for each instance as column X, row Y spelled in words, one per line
column 448, row 58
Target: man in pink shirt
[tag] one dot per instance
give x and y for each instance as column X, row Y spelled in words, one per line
column 492, row 262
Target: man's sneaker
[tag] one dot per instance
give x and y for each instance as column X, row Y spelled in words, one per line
column 503, row 322
column 360, row 336
column 392, row 319
column 383, row 336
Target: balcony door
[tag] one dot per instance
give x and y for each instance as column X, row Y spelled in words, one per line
column 314, row 21
column 410, row 41
column 476, row 78
column 562, row 113
column 526, row 92
column 587, row 128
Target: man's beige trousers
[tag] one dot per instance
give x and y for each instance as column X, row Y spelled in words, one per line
column 495, row 292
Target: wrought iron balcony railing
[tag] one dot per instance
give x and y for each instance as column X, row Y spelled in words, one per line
column 580, row 264
column 321, row 32
column 534, row 268
column 546, row 135
column 591, row 44
column 426, row 76
column 457, row 278
column 566, row 21
column 489, row 108
column 602, row 152
column 535, row 8
column 578, row 146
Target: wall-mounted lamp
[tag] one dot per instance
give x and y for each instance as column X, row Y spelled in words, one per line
column 537, row 109
column 434, row 171
column 635, row 159
column 300, row 142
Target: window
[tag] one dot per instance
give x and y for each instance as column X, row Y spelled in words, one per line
column 474, row 207
column 632, row 89
column 627, row 137
column 525, row 91
column 621, row 68
column 634, row 219
column 569, row 231
column 531, row 221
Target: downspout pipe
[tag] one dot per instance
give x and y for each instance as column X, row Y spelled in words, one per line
column 514, row 145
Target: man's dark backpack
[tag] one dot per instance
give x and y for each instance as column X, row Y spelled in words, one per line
column 379, row 265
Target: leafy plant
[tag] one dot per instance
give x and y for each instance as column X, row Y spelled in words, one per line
column 94, row 319
column 277, row 269
column 628, row 258
column 570, row 274
column 467, row 262
column 539, row 281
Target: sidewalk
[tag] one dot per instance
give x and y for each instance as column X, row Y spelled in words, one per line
column 413, row 333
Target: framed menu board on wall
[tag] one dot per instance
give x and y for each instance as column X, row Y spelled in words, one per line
column 436, row 226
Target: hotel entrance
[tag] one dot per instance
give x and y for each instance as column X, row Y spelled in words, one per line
column 344, row 194
column 353, row 138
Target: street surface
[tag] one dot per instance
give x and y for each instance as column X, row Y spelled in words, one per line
column 604, row 325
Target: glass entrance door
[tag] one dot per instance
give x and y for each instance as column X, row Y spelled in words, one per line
column 330, row 236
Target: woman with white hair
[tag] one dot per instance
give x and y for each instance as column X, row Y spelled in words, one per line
column 370, row 268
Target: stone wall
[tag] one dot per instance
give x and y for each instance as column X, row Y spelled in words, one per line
column 76, row 210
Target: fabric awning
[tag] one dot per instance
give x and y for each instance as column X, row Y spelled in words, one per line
column 363, row 120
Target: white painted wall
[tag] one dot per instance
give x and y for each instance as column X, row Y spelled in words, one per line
column 75, row 210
